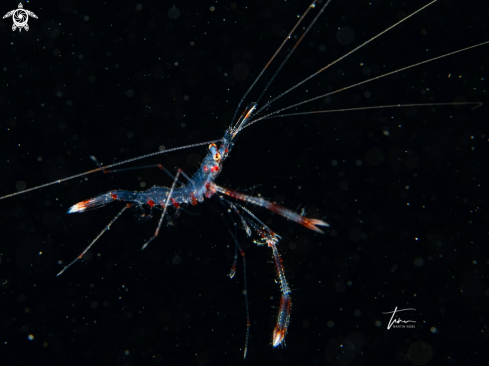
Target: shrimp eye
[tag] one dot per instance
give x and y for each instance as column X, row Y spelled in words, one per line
column 215, row 153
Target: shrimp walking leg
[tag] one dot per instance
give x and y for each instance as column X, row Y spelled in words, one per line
column 232, row 272
column 245, row 293
column 285, row 307
column 271, row 239
column 258, row 201
column 94, row 240
column 164, row 211
column 245, row 290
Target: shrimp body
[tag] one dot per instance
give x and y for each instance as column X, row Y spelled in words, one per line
column 197, row 188
column 200, row 186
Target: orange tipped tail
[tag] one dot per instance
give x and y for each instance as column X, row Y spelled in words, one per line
column 92, row 203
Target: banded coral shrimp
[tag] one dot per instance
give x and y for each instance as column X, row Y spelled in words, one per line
column 302, row 169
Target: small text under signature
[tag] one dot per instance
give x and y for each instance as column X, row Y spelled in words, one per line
column 398, row 321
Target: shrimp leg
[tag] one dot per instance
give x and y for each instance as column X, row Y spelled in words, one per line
column 258, row 201
column 164, row 211
column 94, row 240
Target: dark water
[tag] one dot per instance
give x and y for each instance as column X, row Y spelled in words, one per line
column 403, row 189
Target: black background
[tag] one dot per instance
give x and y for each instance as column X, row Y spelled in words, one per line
column 65, row 95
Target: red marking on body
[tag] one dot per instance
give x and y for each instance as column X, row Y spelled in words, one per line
column 151, row 203
column 206, row 169
column 214, row 169
column 209, row 190
column 193, row 198
column 114, row 196
column 174, row 203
